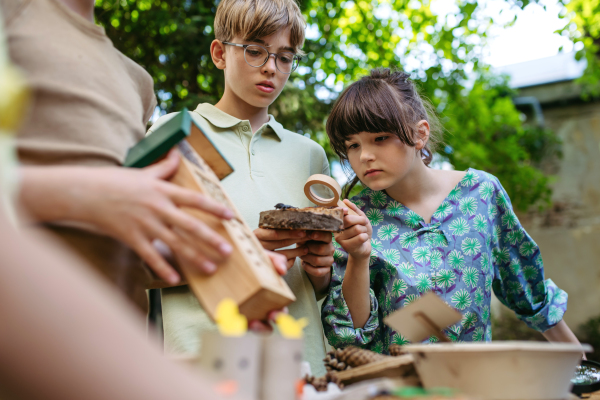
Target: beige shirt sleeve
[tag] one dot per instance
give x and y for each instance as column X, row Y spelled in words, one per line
column 11, row 9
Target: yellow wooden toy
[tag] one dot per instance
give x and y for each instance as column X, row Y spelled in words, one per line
column 229, row 320
column 289, row 327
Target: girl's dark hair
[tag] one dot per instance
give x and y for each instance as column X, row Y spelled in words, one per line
column 384, row 101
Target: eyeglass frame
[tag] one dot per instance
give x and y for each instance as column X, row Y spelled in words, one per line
column 269, row 54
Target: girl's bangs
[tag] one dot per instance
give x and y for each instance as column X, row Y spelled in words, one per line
column 366, row 106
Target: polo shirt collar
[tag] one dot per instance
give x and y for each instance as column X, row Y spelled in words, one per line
column 223, row 120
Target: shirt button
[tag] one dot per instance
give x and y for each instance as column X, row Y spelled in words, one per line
column 245, row 128
column 253, row 152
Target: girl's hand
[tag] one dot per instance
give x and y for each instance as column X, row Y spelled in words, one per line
column 356, row 236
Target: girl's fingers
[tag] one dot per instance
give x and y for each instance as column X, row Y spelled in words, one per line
column 183, row 197
column 351, row 232
column 143, row 247
column 355, row 242
column 353, row 207
column 350, row 220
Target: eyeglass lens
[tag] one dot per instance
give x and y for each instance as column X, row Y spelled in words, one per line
column 257, row 56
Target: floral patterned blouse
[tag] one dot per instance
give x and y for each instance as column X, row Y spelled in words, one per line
column 474, row 244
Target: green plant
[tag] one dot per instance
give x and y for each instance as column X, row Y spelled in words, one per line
column 589, row 332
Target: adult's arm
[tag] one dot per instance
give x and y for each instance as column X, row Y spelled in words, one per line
column 67, row 335
column 135, row 206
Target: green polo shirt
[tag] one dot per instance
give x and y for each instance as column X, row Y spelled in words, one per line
column 271, row 167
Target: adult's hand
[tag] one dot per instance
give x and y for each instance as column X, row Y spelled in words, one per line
column 135, row 206
column 274, row 239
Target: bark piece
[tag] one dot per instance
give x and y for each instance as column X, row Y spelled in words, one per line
column 309, row 218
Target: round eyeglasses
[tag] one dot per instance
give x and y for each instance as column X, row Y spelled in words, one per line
column 256, row 56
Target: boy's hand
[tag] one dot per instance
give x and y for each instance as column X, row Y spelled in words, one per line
column 273, row 239
column 319, row 257
column 356, row 236
column 317, row 262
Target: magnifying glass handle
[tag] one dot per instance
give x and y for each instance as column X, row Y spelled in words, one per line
column 344, row 205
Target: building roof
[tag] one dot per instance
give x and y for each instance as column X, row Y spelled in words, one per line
column 558, row 68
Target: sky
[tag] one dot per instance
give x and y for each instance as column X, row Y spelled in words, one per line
column 530, row 38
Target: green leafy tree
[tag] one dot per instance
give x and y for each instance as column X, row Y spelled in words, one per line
column 346, row 39
column 584, row 31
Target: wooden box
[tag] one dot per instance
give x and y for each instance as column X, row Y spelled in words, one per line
column 247, row 276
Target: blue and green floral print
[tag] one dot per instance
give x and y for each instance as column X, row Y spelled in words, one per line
column 474, row 244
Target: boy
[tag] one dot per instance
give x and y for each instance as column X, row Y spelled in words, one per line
column 257, row 46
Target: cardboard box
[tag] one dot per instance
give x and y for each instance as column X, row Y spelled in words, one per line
column 247, row 276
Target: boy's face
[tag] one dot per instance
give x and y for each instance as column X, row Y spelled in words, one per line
column 258, row 87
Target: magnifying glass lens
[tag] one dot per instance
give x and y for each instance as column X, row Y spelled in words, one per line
column 322, row 191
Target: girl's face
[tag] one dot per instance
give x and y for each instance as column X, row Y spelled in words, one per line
column 380, row 160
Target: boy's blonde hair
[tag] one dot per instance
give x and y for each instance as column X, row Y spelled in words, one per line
column 256, row 19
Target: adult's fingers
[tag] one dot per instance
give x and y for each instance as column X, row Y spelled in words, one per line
column 215, row 246
column 183, row 197
column 279, row 261
column 315, row 271
column 166, row 167
column 181, row 246
column 143, row 247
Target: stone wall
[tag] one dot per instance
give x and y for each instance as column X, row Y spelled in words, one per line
column 569, row 233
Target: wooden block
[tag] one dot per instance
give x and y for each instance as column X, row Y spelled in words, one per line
column 247, row 276
column 391, row 367
column 172, row 132
column 309, row 218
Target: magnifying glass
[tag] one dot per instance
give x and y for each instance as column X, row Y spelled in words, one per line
column 324, row 191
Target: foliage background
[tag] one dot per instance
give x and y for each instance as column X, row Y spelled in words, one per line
column 483, row 130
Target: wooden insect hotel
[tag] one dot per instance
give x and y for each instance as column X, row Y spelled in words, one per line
column 247, row 276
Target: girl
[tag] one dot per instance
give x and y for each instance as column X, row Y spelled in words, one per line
column 421, row 229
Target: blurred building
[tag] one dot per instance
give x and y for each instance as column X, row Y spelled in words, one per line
column 568, row 233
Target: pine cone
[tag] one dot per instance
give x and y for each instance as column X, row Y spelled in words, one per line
column 355, row 357
column 332, row 363
column 320, row 384
column 396, row 350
